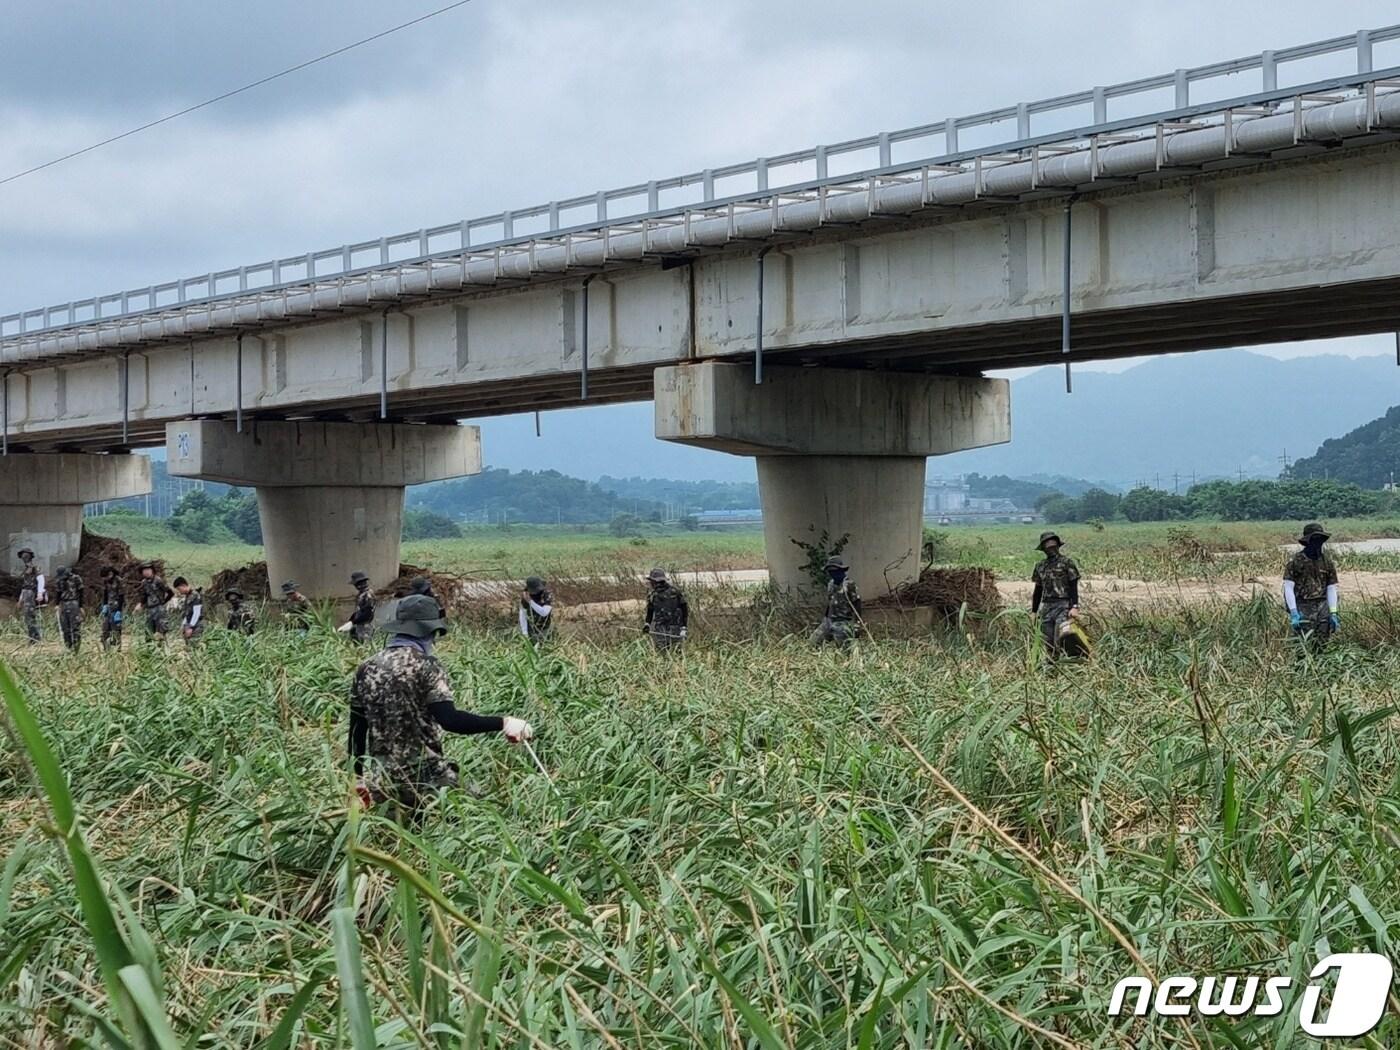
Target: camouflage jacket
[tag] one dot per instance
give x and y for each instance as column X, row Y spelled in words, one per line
column 1310, row 576
column 667, row 610
column 297, row 612
column 364, row 608
column 113, row 596
column 154, row 592
column 70, row 588
column 1054, row 576
column 393, row 691
column 240, row 618
column 842, row 601
column 29, row 579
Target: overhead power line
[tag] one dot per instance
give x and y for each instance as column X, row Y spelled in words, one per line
column 236, row 91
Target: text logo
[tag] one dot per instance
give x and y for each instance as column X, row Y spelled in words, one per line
column 1363, row 981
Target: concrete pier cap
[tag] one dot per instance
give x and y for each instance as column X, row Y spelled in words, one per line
column 42, row 496
column 838, row 451
column 330, row 495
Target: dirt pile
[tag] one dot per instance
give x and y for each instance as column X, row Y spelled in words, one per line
column 451, row 590
column 95, row 554
column 947, row 590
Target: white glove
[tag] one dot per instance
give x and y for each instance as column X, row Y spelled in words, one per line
column 516, row 729
column 682, row 632
column 344, row 628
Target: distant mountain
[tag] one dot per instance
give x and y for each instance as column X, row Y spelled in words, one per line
column 1214, row 414
column 1367, row 456
column 1211, row 414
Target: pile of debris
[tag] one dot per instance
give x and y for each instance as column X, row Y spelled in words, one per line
column 947, row 591
column 95, row 554
column 452, row 591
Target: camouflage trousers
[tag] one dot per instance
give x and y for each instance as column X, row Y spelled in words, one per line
column 664, row 639
column 111, row 628
column 1317, row 621
column 1053, row 613
column 362, row 632
column 70, row 624
column 155, row 622
column 841, row 632
column 410, row 787
column 29, row 606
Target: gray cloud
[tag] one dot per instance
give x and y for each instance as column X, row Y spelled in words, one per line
column 499, row 104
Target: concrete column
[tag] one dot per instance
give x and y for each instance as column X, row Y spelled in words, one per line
column 42, row 496
column 878, row 501
column 839, row 451
column 330, row 495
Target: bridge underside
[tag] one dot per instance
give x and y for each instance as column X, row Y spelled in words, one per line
column 1322, row 312
column 1274, row 253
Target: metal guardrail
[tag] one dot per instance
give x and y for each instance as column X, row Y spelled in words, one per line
column 701, row 190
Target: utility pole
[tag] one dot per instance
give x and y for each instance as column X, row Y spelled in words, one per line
column 1176, row 483
column 1241, row 473
column 1284, row 459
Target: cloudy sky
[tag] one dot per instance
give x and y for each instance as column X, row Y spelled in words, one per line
column 504, row 103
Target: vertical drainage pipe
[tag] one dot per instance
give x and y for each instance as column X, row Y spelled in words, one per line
column 238, row 391
column 384, row 368
column 583, row 373
column 1065, row 310
column 126, row 397
column 758, row 341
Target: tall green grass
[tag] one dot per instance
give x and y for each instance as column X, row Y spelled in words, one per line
column 927, row 843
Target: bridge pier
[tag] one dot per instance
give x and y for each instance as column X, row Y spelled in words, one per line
column 42, row 496
column 838, row 451
column 330, row 495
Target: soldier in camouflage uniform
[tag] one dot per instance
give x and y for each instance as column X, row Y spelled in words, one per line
column 154, row 595
column 70, row 607
column 240, row 617
column 296, row 609
column 667, row 612
column 32, row 594
column 113, row 604
column 1056, row 595
column 1310, row 588
column 360, row 626
column 400, row 703
column 191, row 610
column 842, row 621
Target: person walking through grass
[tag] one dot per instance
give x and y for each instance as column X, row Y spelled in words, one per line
column 32, row 594
column 536, row 611
column 69, row 586
column 154, row 595
column 191, row 610
column 360, row 625
column 240, row 617
column 296, row 608
column 113, row 602
column 401, row 702
column 1055, row 599
column 1310, row 588
column 667, row 614
column 842, row 620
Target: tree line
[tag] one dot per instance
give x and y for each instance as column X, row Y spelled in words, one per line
column 1227, row 500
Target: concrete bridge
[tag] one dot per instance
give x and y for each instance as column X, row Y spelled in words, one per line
column 829, row 311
